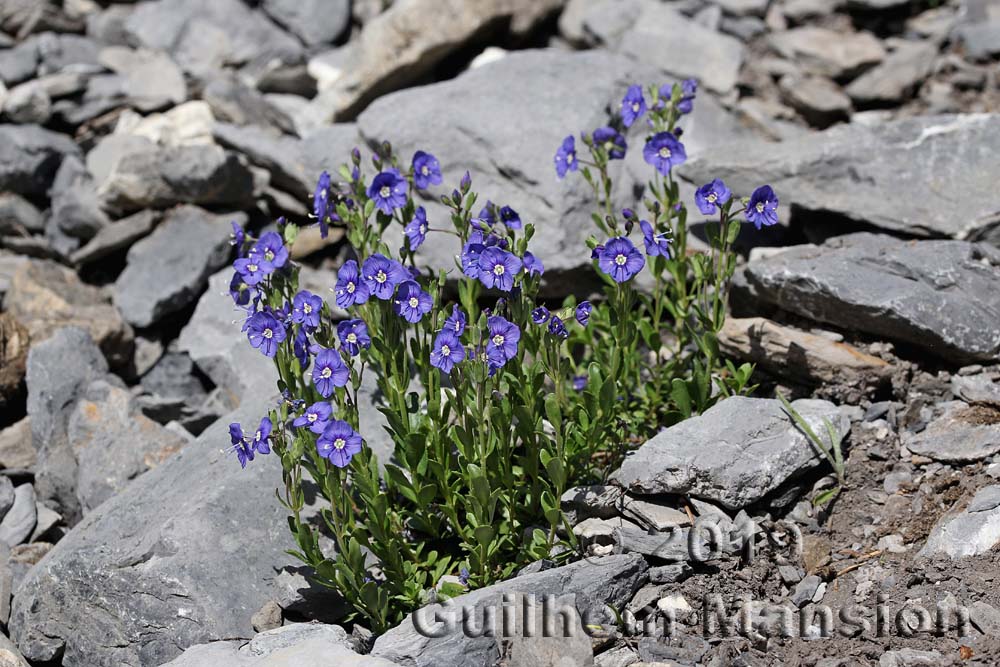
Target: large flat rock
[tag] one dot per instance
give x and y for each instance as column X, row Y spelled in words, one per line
column 734, row 454
column 185, row 555
column 922, row 176
column 940, row 296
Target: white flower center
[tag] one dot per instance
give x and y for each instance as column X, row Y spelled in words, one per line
column 620, row 260
column 380, row 277
column 760, row 207
column 570, row 157
column 711, row 197
column 350, row 287
column 252, row 268
column 268, row 333
column 257, row 437
column 326, row 373
column 311, row 417
column 307, row 309
column 269, row 254
column 339, row 443
column 385, row 191
column 352, row 338
column 414, row 302
column 423, row 229
column 498, row 340
column 635, row 107
column 664, row 152
column 498, row 270
column 445, row 351
column 424, row 170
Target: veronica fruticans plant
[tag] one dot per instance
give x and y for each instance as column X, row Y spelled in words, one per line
column 659, row 338
column 488, row 425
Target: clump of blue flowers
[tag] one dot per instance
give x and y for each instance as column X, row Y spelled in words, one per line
column 494, row 402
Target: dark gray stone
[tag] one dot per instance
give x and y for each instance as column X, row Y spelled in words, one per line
column 980, row 41
column 28, row 103
column 202, row 36
column 29, row 157
column 294, row 164
column 826, row 173
column 941, row 296
column 116, row 236
column 76, row 208
column 167, row 270
column 173, row 560
column 820, row 101
column 734, row 454
column 805, row 590
column 20, row 520
column 233, row 101
column 961, row 435
column 173, row 377
column 144, row 175
column 585, row 585
column 6, row 496
column 970, row 532
column 315, row 22
column 506, row 141
column 58, row 51
column 59, row 370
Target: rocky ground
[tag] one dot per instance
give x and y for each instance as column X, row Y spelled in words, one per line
column 134, row 132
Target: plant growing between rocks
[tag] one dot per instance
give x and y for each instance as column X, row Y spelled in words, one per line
column 495, row 403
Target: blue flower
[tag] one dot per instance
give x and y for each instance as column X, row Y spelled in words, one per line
column 456, row 321
column 238, row 237
column 583, row 312
column 471, row 251
column 611, row 141
column 265, row 332
column 580, row 382
column 710, row 196
column 339, row 443
column 270, row 251
column 510, row 218
column 240, row 291
column 557, row 327
column 353, row 335
column 540, row 315
column 382, row 275
column 447, row 351
column 657, row 245
column 503, row 338
column 388, row 191
column 426, row 170
column 300, row 348
column 486, row 216
column 240, row 445
column 250, row 269
column 663, row 151
column 620, row 259
column 762, row 210
column 633, row 105
column 306, row 309
column 351, row 289
column 688, row 89
column 498, row 268
column 411, row 302
column 329, row 371
column 262, row 438
column 321, row 203
column 532, row 264
column 565, row 158
column 315, row 418
column 416, row 229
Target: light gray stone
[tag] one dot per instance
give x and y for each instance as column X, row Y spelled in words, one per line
column 16, row 449
column 18, row 215
column 910, row 657
column 175, row 557
column 116, row 236
column 976, row 389
column 963, row 434
column 827, row 52
column 152, row 80
column 971, row 532
column 169, row 269
column 897, row 77
column 980, row 41
column 20, row 520
column 6, row 496
column 820, row 101
column 940, row 296
column 313, row 21
column 734, row 454
column 805, row 590
column 28, row 103
column 234, row 101
column 825, row 173
column 585, row 585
